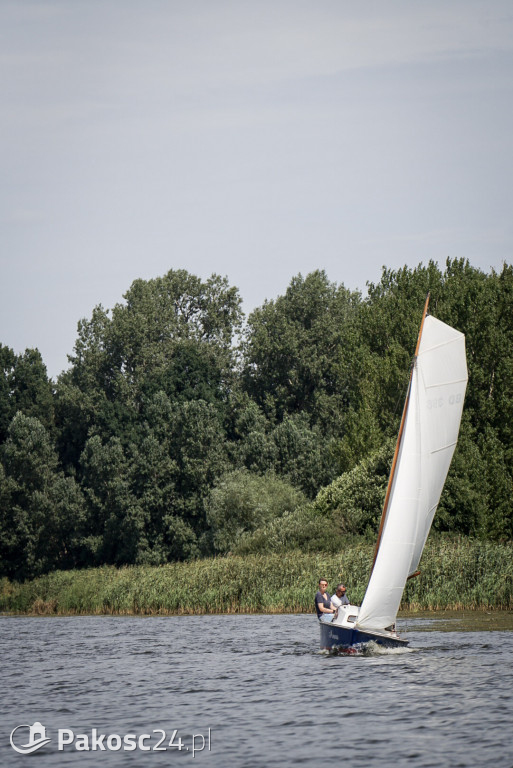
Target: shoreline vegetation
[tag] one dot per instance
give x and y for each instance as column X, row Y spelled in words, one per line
column 183, row 429
column 456, row 574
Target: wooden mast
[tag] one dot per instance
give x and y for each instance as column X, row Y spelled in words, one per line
column 399, row 438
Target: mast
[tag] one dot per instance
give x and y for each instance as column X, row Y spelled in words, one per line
column 399, row 438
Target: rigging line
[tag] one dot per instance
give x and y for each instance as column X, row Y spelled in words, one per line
column 404, row 392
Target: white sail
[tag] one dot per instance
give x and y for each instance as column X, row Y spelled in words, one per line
column 429, row 436
column 442, row 368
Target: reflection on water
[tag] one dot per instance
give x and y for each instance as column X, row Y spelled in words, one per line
column 263, row 690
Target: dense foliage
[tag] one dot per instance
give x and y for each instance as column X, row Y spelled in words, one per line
column 181, row 429
column 459, row 573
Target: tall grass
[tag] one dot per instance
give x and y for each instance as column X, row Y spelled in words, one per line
column 456, row 573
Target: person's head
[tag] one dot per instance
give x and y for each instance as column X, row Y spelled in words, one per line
column 323, row 585
column 340, row 590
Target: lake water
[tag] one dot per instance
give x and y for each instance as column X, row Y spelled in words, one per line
column 257, row 690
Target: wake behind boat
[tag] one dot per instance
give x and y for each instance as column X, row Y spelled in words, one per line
column 425, row 445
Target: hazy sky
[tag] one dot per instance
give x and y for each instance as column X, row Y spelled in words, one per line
column 252, row 138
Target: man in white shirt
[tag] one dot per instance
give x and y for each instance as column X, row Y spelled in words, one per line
column 339, row 598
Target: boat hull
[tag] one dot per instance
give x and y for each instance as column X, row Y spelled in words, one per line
column 334, row 637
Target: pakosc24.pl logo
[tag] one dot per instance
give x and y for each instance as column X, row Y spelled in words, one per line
column 156, row 741
column 37, row 738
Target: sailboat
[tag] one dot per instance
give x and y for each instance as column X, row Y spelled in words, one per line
column 425, row 445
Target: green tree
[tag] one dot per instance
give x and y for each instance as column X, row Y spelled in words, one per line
column 249, row 433
column 241, row 502
column 477, row 499
column 173, row 334
column 7, row 363
column 390, row 318
column 195, row 438
column 113, row 510
column 482, row 307
column 300, row 352
column 355, row 499
column 42, row 511
column 25, row 387
column 304, row 454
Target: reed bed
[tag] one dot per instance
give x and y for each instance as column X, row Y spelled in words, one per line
column 456, row 574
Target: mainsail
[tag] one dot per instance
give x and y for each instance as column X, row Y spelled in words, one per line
column 429, row 434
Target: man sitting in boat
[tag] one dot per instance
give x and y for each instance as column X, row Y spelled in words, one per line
column 339, row 598
column 323, row 607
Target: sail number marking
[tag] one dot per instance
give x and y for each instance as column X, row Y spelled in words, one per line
column 439, row 402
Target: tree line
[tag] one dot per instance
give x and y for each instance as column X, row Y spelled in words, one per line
column 183, row 429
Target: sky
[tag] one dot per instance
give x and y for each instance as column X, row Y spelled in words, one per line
column 256, row 139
